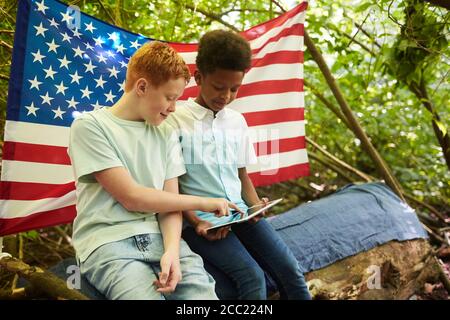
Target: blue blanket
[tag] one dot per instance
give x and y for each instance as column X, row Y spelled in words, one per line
column 356, row 218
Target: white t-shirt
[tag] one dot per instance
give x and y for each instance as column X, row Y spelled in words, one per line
column 99, row 140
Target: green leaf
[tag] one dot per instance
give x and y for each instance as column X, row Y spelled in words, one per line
column 363, row 7
column 441, row 126
column 33, row 234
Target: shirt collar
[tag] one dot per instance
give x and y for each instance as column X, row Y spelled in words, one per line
column 200, row 112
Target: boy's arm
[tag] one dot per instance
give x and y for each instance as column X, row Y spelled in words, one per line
column 249, row 193
column 170, row 224
column 134, row 197
column 248, row 190
column 200, row 227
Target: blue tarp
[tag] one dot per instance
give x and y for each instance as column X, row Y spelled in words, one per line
column 356, row 218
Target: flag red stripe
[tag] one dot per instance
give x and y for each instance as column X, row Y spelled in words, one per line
column 282, row 174
column 184, row 47
column 274, row 116
column 38, row 220
column 280, row 57
column 270, row 87
column 20, row 151
column 294, row 30
column 13, row 190
column 279, row 146
column 259, row 30
column 258, row 88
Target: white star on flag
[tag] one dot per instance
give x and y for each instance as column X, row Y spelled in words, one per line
column 40, row 30
column 89, row 67
column 64, row 63
column 135, row 44
column 78, row 52
column 46, row 99
column 90, row 27
column 109, row 96
column 61, row 88
column 38, row 56
column 113, row 72
column 96, row 105
column 32, row 109
column 75, row 77
column 66, row 37
column 86, row 93
column 100, row 82
column 35, row 83
column 52, row 46
column 49, row 73
column 66, row 17
column 41, row 6
column 72, row 103
column 58, row 113
column 53, row 23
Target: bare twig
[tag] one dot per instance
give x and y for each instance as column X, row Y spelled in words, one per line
column 340, row 162
column 367, row 34
column 353, row 38
column 6, row 45
column 209, row 15
column 107, row 11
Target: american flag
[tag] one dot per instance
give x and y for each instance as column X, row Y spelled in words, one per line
column 66, row 62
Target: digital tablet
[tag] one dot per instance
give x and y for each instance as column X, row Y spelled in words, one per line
column 253, row 211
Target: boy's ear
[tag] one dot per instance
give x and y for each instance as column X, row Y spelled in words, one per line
column 198, row 77
column 141, row 86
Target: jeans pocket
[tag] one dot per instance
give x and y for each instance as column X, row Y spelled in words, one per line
column 143, row 242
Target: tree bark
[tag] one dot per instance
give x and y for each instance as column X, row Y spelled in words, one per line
column 443, row 138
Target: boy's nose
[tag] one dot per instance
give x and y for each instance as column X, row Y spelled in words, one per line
column 171, row 107
column 226, row 95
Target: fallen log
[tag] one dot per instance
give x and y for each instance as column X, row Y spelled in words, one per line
column 41, row 280
column 392, row 271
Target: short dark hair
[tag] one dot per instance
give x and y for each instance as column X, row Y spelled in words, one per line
column 220, row 49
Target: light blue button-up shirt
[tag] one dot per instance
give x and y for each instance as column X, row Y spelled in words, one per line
column 214, row 148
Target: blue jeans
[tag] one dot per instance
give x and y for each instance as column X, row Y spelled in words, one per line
column 244, row 255
column 126, row 270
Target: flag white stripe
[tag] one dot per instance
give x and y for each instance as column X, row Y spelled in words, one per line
column 274, row 72
column 277, row 161
column 277, row 131
column 260, row 41
column 17, row 131
column 289, row 43
column 21, row 171
column 23, row 208
column 268, row 102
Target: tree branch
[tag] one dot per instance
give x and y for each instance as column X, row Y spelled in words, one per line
column 211, row 16
column 440, row 3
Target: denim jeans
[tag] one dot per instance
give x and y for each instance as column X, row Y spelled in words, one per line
column 244, row 255
column 126, row 270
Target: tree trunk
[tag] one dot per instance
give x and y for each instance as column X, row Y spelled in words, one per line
column 394, row 270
